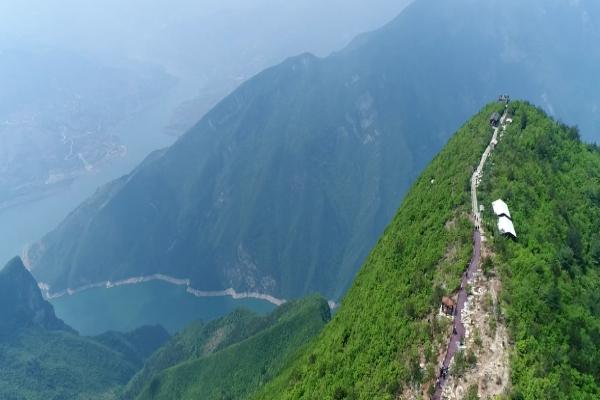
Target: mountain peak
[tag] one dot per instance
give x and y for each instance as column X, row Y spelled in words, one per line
column 21, row 302
column 15, row 269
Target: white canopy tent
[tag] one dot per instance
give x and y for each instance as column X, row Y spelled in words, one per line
column 500, row 208
column 506, row 227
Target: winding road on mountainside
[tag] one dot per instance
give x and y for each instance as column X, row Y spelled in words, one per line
column 458, row 328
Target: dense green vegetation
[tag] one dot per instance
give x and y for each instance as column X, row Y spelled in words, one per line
column 373, row 346
column 386, row 326
column 551, row 273
column 231, row 358
column 38, row 364
column 41, row 358
column 200, row 340
column 136, row 346
column 286, row 185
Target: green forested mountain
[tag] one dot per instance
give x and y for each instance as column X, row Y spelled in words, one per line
column 137, row 345
column 38, row 364
column 199, row 340
column 232, row 357
column 384, row 325
column 42, row 358
column 551, row 274
column 284, row 187
column 386, row 337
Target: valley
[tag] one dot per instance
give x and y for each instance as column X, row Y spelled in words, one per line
column 199, row 217
column 311, row 149
column 388, row 334
column 43, row 357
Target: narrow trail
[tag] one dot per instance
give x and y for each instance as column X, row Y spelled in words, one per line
column 458, row 329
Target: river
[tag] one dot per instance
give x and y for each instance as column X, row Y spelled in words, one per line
column 124, row 308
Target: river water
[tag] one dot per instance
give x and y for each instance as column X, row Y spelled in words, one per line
column 124, row 308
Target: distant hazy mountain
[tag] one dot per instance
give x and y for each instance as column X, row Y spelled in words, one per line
column 284, row 187
column 42, row 358
column 97, row 97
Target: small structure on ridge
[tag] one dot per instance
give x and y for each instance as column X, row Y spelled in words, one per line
column 504, row 98
column 506, row 227
column 495, row 119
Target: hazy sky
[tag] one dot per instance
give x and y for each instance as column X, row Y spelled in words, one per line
column 135, row 27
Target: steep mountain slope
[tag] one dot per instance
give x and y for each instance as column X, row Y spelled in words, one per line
column 232, row 357
column 42, row 358
column 386, row 339
column 284, row 186
column 386, row 323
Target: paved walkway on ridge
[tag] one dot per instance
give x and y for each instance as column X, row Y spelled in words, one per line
column 458, row 328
